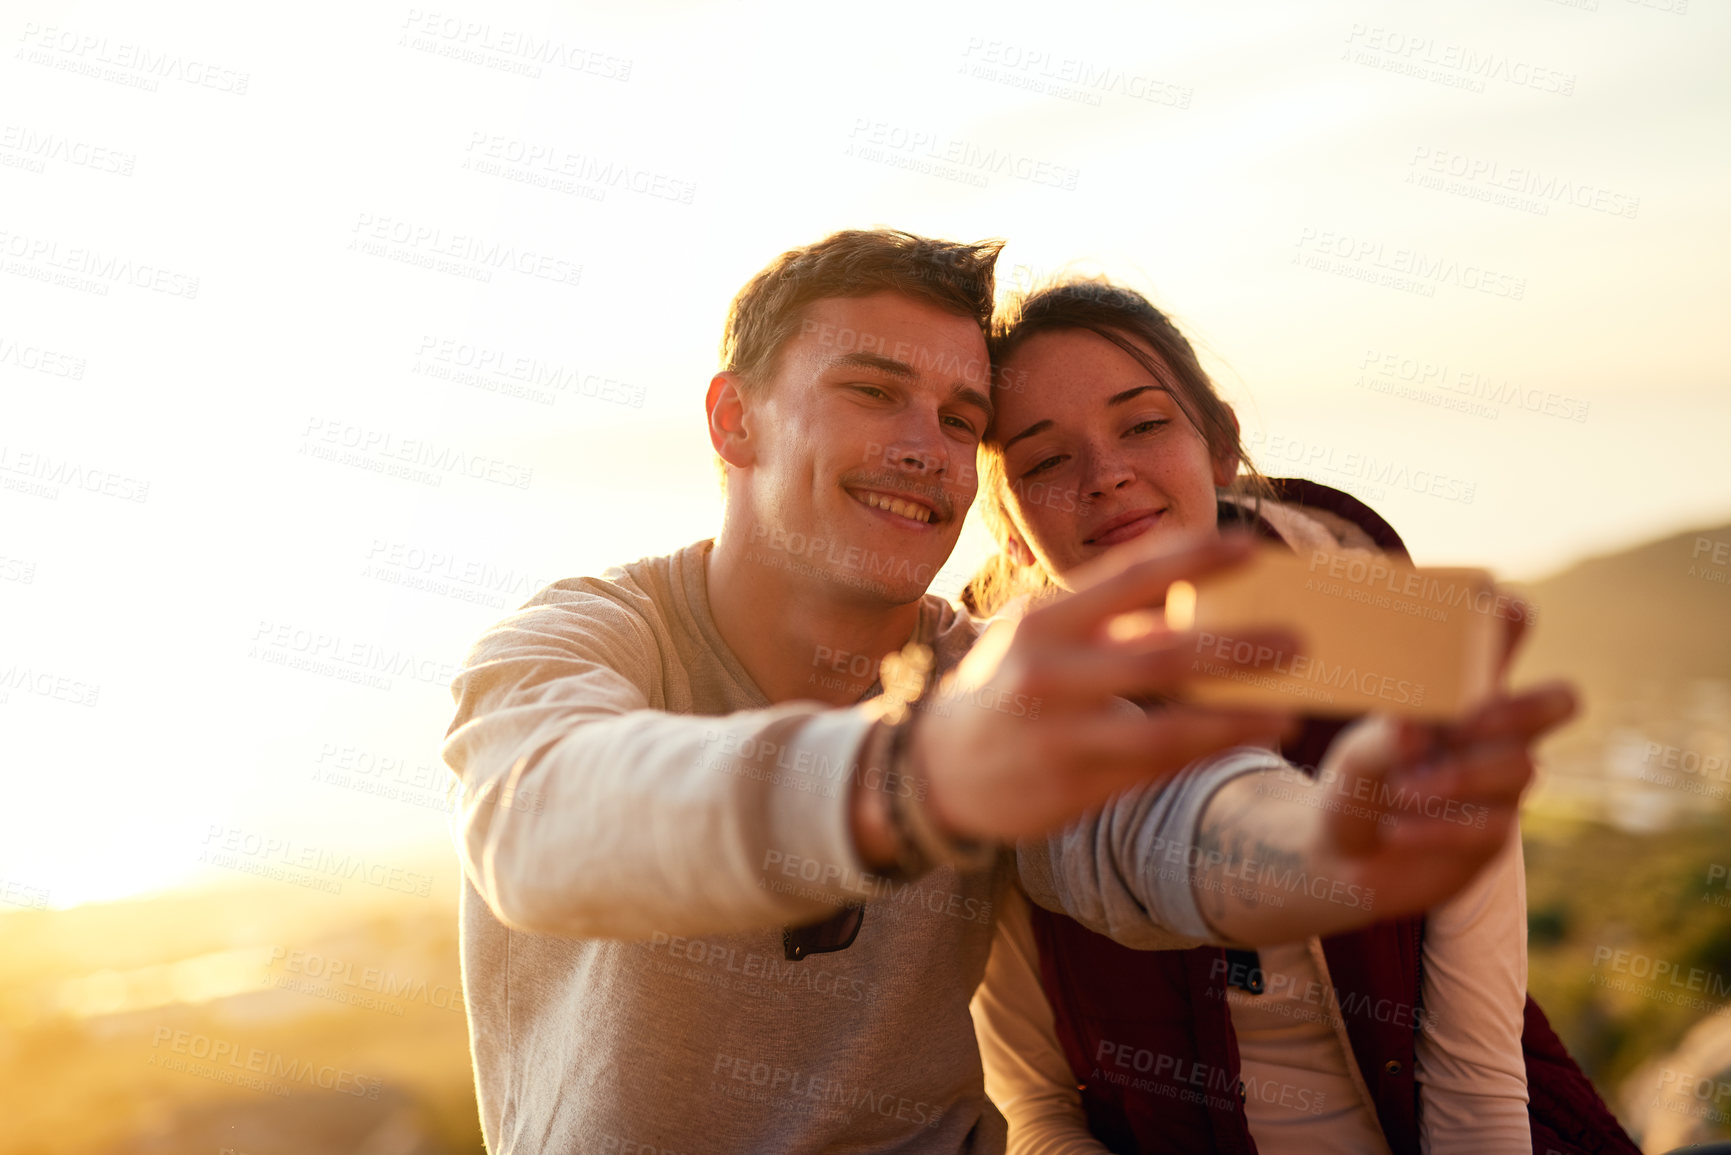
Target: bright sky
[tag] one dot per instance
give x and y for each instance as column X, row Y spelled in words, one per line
column 1366, row 213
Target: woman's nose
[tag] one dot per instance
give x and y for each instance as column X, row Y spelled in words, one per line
column 1106, row 472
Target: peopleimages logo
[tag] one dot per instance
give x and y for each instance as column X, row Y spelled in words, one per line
column 839, row 555
column 1471, row 385
column 1351, row 466
column 1399, row 267
column 1192, row 1080
column 1673, row 974
column 226, row 845
column 257, row 1061
column 42, row 474
column 512, row 374
column 40, row 360
column 552, row 166
column 1065, row 77
column 762, row 1082
column 465, row 254
column 937, row 154
column 1453, row 65
column 1540, row 190
column 340, row 980
column 383, row 451
column 134, row 65
column 90, row 269
column 47, row 684
column 507, row 49
column 35, row 149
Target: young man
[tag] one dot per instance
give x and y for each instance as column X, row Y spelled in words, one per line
column 724, row 895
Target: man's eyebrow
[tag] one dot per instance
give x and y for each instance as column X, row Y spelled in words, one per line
column 874, row 361
column 1036, row 427
column 1120, row 398
column 975, row 397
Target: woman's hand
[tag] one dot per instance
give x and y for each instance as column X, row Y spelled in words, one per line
column 1433, row 804
column 1400, row 816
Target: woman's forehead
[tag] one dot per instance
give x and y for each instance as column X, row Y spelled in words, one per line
column 1061, row 368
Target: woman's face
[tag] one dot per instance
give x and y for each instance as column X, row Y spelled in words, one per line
column 1098, row 452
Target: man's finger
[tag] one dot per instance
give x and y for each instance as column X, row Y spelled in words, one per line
column 1182, row 734
column 1109, row 587
column 1154, row 664
column 1122, row 750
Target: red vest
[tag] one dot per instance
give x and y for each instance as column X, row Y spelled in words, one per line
column 1148, row 1034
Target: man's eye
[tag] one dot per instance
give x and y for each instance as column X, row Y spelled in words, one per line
column 963, row 424
column 871, row 391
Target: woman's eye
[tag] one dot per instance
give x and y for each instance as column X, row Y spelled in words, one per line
column 1044, row 465
column 1149, row 425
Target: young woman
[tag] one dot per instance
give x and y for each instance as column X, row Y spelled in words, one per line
column 1409, row 1036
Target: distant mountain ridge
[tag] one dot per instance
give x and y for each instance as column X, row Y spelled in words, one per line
column 1654, row 613
column 1645, row 635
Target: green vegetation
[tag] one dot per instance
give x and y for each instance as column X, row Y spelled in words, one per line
column 1593, row 891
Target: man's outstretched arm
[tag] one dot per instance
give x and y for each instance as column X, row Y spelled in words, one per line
column 586, row 812
column 590, row 809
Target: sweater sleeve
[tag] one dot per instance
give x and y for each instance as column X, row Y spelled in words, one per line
column 1027, row 1076
column 1471, row 1074
column 584, row 812
column 1124, row 870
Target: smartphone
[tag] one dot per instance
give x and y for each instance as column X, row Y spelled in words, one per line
column 1378, row 634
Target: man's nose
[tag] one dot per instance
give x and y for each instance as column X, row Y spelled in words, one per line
column 927, row 456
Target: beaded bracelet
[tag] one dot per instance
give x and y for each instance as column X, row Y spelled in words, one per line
column 921, row 843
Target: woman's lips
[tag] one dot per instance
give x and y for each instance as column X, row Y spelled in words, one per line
column 1125, row 531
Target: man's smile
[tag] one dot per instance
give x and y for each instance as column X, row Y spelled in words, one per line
column 900, row 504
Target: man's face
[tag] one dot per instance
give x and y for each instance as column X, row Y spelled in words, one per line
column 864, row 444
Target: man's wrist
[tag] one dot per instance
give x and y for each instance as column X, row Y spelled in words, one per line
column 869, row 816
column 923, row 839
column 895, row 830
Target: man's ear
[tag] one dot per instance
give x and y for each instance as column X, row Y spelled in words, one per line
column 1226, row 465
column 729, row 431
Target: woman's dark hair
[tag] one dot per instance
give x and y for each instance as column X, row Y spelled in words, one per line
column 1126, row 319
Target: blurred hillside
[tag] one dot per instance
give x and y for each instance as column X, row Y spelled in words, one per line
column 1667, row 603
column 1646, row 633
column 1627, row 836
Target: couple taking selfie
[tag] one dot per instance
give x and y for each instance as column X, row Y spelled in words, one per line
column 766, row 849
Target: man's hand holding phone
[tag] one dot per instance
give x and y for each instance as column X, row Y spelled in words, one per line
column 1034, row 728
